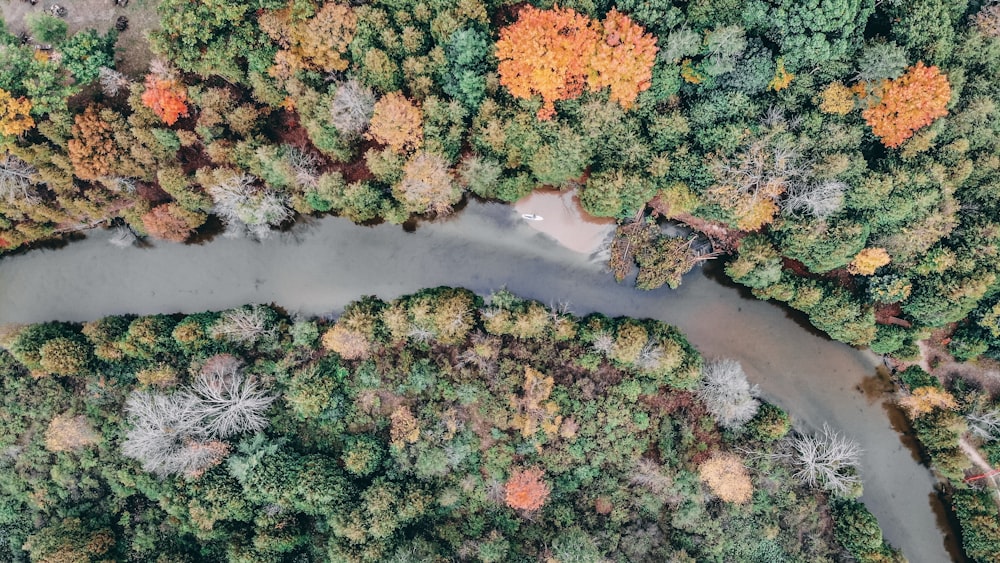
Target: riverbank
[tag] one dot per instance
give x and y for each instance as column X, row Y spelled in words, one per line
column 321, row 265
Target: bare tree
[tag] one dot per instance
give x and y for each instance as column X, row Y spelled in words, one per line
column 163, row 428
column 727, row 393
column 828, row 460
column 112, row 82
column 817, row 199
column 650, row 357
column 986, row 425
column 248, row 207
column 245, row 325
column 304, row 166
column 352, row 108
column 227, row 402
column 603, row 343
column 419, row 333
column 17, row 180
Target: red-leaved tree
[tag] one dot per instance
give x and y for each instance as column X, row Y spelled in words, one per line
column 908, row 103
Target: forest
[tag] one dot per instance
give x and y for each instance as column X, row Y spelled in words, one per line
column 840, row 155
column 439, row 426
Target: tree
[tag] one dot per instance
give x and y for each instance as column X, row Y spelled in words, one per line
column 172, row 222
column 46, row 28
column 525, row 490
column 555, row 53
column 813, row 32
column 396, row 123
column 868, row 260
column 64, row 356
column 87, row 52
column 988, row 20
column 923, row 400
column 427, row 186
column 546, row 52
column 15, row 113
column 316, row 43
column 244, row 204
column 17, row 180
column 828, row 460
column 166, row 97
column 465, row 78
column 727, row 477
column 226, row 401
column 179, row 433
column 351, row 109
column 727, row 393
column 92, row 150
column 623, row 60
column 245, row 325
column 908, row 103
column 70, row 433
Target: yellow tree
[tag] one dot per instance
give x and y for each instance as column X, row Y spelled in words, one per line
column 14, row 114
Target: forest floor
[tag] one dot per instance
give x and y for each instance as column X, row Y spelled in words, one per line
column 133, row 53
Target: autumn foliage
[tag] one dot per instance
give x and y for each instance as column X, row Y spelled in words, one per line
column 397, row 123
column 925, row 399
column 14, row 114
column 526, row 490
column 727, row 477
column 869, row 260
column 912, row 101
column 317, row 43
column 171, row 222
column 166, row 97
column 556, row 53
column 92, row 149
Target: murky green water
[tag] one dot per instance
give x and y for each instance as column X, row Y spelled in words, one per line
column 319, row 267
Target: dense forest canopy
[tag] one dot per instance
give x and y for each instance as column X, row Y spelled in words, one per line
column 436, row 427
column 840, row 154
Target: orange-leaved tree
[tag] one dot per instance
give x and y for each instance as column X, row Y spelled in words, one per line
column 555, row 53
column 912, row 101
column 546, row 52
column 526, row 490
column 623, row 59
column 14, row 114
column 92, row 149
column 166, row 97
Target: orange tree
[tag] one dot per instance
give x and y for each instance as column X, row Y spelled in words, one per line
column 555, row 53
column 912, row 101
column 166, row 98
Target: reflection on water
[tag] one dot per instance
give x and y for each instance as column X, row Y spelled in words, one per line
column 319, row 266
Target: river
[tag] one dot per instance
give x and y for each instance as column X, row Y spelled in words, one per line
column 320, row 265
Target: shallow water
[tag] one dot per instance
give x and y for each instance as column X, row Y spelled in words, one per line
column 320, row 266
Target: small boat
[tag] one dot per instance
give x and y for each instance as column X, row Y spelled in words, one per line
column 531, row 217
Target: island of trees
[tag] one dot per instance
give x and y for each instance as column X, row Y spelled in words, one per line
column 840, row 154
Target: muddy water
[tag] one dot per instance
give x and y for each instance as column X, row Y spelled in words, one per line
column 319, row 267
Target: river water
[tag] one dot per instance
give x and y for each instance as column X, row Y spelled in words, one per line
column 319, row 266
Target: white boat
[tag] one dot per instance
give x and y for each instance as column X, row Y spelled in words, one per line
column 531, row 217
